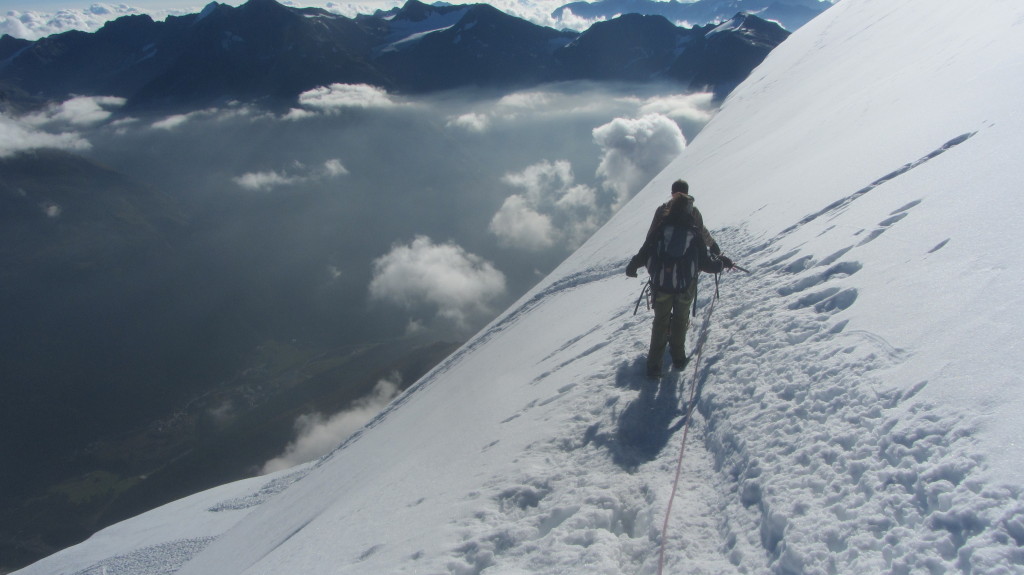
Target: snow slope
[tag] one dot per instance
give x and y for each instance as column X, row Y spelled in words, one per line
column 858, row 397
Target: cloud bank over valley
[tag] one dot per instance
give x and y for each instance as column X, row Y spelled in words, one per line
column 343, row 193
column 216, row 254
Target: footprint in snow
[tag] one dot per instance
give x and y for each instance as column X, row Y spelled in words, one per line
column 841, row 269
column 882, row 227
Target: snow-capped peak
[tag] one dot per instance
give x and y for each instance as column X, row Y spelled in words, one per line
column 734, row 23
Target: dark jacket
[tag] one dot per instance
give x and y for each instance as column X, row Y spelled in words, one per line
column 684, row 201
column 679, row 209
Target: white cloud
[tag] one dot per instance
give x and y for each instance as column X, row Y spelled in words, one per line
column 574, row 100
column 339, row 96
column 19, row 25
column 634, row 150
column 88, row 110
column 231, row 111
column 692, row 108
column 236, row 109
column 415, row 327
column 509, row 108
column 458, row 285
column 577, row 197
column 318, row 435
column 550, row 209
column 471, row 122
column 258, row 181
column 574, row 22
column 17, row 137
column 526, row 100
column 173, row 122
column 690, row 111
column 333, row 168
column 582, row 215
column 78, row 111
column 518, row 224
column 33, row 25
column 266, row 180
column 124, row 122
column 542, row 179
column 298, row 114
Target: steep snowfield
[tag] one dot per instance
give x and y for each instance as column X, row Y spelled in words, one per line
column 858, row 399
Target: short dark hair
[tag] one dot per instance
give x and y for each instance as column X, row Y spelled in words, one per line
column 680, row 187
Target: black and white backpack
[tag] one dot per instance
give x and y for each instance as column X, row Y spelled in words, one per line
column 673, row 264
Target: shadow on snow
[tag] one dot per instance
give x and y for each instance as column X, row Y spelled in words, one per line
column 647, row 423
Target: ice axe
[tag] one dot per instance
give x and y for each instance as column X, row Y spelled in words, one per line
column 647, row 288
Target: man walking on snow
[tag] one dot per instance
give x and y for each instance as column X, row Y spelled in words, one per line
column 674, row 252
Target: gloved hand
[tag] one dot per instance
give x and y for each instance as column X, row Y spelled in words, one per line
column 726, row 262
column 632, row 267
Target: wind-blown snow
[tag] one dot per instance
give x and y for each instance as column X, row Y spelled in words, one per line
column 733, row 24
column 405, row 32
column 858, row 398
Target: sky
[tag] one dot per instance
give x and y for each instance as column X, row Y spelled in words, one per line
column 858, row 398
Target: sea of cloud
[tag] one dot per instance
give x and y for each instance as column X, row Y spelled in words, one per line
column 359, row 215
column 439, row 209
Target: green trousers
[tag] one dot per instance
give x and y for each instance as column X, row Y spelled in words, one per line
column 671, row 319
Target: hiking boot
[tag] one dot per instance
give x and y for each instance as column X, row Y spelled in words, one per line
column 653, row 373
column 680, row 365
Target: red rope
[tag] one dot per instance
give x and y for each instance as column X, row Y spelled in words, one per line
column 686, row 431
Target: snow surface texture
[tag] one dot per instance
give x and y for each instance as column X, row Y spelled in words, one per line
column 858, row 400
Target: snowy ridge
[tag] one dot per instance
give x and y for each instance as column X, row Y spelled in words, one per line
column 405, row 32
column 858, row 401
column 732, row 24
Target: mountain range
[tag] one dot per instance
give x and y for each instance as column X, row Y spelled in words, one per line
column 267, row 52
column 791, row 14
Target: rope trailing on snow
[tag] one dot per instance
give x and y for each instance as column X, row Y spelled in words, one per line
column 702, row 336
